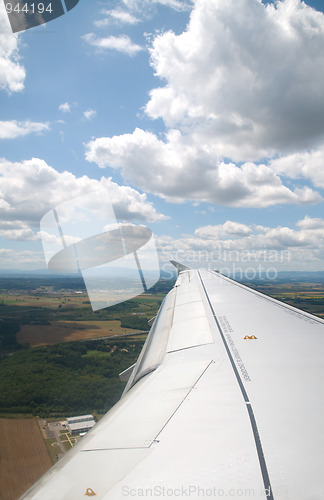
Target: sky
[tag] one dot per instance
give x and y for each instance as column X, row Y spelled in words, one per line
column 203, row 120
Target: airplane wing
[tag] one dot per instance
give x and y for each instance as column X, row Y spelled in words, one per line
column 225, row 400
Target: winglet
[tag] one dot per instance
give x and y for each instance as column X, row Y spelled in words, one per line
column 179, row 267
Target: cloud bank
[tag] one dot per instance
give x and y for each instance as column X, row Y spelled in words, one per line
column 233, row 245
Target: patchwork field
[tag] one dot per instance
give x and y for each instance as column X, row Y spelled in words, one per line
column 68, row 331
column 33, row 315
column 23, row 454
column 308, row 297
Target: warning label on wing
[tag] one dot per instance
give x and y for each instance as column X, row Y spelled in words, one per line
column 226, row 327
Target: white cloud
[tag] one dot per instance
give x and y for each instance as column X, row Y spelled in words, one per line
column 12, row 129
column 256, row 76
column 308, row 165
column 24, row 260
column 89, row 114
column 30, row 188
column 22, row 234
column 174, row 4
column 120, row 43
column 135, row 11
column 178, row 170
column 12, row 73
column 245, row 82
column 143, row 5
column 311, row 223
column 65, row 107
column 226, row 230
column 116, row 16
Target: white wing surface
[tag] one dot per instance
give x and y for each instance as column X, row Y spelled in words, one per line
column 226, row 400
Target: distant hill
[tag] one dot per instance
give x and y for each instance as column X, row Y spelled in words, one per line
column 289, row 276
column 17, row 273
column 302, row 276
column 46, row 273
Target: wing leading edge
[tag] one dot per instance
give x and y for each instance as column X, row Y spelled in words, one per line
column 225, row 400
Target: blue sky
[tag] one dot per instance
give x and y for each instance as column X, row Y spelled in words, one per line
column 203, row 120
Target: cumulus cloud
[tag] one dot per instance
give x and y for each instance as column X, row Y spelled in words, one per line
column 226, row 230
column 24, row 234
column 12, row 73
column 178, row 170
column 232, row 243
column 30, row 188
column 120, row 43
column 24, row 260
column 89, row 114
column 12, row 129
column 118, row 16
column 243, row 99
column 143, row 5
column 308, row 165
column 65, row 107
column 309, row 223
column 174, row 4
column 256, row 76
column 134, row 11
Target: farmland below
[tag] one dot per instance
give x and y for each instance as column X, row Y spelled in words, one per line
column 57, row 356
column 304, row 295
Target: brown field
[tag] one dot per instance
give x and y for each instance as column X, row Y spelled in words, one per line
column 23, row 456
column 67, row 331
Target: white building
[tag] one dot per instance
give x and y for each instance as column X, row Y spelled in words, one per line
column 80, row 424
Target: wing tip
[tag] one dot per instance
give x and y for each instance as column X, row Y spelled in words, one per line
column 179, row 267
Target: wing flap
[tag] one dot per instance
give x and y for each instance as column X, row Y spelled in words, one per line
column 126, row 374
column 165, row 389
column 190, row 324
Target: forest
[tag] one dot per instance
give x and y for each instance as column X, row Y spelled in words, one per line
column 63, row 379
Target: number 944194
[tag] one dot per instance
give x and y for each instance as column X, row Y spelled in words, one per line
column 33, row 8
